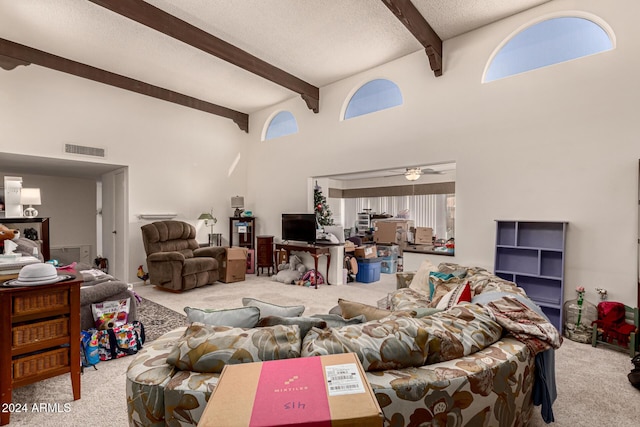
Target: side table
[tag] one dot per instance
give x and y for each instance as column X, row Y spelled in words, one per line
column 39, row 336
column 316, row 252
column 265, row 254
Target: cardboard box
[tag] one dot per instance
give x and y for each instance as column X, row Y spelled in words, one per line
column 305, row 391
column 424, row 236
column 391, row 231
column 366, row 252
column 234, row 266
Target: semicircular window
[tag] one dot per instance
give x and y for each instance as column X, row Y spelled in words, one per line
column 546, row 43
column 372, row 96
column 281, row 124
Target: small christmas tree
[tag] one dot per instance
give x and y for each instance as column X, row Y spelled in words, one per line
column 323, row 213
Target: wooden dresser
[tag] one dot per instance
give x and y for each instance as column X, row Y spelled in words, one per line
column 39, row 337
column 265, row 254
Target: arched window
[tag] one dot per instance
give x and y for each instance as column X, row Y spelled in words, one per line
column 373, row 96
column 281, row 124
column 548, row 42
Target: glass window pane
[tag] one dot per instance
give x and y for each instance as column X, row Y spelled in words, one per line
column 546, row 43
column 282, row 124
column 373, row 96
column 427, row 210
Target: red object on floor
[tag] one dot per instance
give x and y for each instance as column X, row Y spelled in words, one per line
column 611, row 320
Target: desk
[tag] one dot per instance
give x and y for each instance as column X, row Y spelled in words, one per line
column 316, row 252
column 39, row 336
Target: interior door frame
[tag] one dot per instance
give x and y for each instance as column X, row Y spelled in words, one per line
column 115, row 227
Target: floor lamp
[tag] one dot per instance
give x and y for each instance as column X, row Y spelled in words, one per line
column 210, row 221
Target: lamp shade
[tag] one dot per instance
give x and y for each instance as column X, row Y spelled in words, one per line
column 205, row 216
column 30, row 196
column 237, row 202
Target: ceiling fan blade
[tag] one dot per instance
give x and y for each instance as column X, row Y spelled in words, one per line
column 431, row 171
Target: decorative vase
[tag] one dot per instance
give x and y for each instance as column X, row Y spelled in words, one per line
column 579, row 314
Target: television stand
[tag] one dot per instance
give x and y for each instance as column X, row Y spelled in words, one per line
column 316, row 252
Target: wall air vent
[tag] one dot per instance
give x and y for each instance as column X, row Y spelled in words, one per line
column 85, row 151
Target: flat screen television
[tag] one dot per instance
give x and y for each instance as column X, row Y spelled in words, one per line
column 299, row 227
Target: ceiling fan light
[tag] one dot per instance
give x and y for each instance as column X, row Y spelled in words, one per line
column 413, row 174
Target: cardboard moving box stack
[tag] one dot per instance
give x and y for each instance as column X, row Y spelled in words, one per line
column 234, row 266
column 391, row 230
column 306, row 391
column 424, row 236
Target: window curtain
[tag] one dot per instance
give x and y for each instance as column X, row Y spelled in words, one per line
column 427, row 210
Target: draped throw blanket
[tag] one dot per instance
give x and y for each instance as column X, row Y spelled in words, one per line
column 525, row 324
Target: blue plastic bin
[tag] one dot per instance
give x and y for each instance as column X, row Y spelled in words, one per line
column 368, row 271
column 389, row 265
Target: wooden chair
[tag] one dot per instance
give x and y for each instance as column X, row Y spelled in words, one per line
column 611, row 339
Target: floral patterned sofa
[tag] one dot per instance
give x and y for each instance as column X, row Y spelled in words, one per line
column 469, row 364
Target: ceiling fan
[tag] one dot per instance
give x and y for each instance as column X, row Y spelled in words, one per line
column 413, row 174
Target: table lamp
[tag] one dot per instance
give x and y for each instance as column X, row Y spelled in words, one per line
column 30, row 196
column 237, row 202
column 209, row 221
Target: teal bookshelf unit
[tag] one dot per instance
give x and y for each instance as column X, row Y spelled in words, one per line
column 531, row 254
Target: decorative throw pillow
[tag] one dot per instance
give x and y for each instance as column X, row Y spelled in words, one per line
column 352, row 309
column 268, row 309
column 205, row 348
column 442, row 287
column 420, row 281
column 304, row 323
column 461, row 293
column 391, row 343
column 243, row 317
column 409, row 299
column 441, row 276
column 453, row 268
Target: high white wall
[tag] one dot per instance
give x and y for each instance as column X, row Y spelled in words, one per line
column 179, row 159
column 559, row 143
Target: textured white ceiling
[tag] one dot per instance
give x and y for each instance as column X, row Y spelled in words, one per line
column 319, row 41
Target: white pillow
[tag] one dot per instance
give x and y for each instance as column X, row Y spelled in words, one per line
column 420, row 281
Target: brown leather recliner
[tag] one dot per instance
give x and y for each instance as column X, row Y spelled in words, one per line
column 174, row 258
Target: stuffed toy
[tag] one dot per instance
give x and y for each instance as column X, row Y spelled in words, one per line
column 290, row 272
column 8, row 234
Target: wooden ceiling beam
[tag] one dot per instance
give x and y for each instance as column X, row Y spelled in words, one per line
column 13, row 54
column 153, row 17
column 407, row 13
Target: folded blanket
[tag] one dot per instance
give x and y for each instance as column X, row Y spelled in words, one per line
column 94, row 277
column 525, row 324
column 541, row 337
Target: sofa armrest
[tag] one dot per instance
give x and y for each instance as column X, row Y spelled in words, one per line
column 209, row 251
column 101, row 292
column 165, row 256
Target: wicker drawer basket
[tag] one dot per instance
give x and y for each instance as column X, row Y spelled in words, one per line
column 37, row 364
column 40, row 331
column 40, row 302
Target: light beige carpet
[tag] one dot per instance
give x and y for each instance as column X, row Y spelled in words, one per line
column 593, row 389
